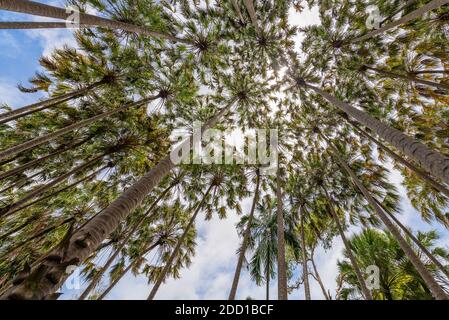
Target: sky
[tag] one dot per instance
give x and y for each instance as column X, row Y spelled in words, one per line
column 211, row 273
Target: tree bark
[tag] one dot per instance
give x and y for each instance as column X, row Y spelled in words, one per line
column 267, row 281
column 423, row 175
column 366, row 293
column 245, row 242
column 409, row 78
column 237, row 9
column 24, row 25
column 411, row 16
column 437, row 292
column 282, row 265
column 43, row 10
column 80, row 124
column 433, row 161
column 305, row 270
column 46, row 104
column 252, row 14
column 177, row 248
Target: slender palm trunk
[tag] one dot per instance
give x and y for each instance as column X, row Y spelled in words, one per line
column 267, row 280
column 46, row 104
column 125, row 271
column 44, row 10
column 245, row 242
column 40, row 190
column 432, row 258
column 423, row 175
column 305, row 270
column 402, row 8
column 411, row 16
column 177, row 248
column 122, row 244
column 74, row 184
column 282, row 265
column 21, row 182
column 252, row 14
column 430, row 72
column 355, row 265
column 80, row 124
column 34, row 162
column 437, row 292
column 436, row 163
column 409, row 78
column 86, row 239
column 19, row 227
column 237, row 9
column 318, row 277
column 23, row 25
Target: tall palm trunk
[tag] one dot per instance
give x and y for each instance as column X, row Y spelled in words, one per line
column 408, row 77
column 46, row 104
column 423, row 175
column 21, row 182
column 39, row 9
column 4, row 212
column 122, row 244
column 237, row 9
column 80, row 124
column 40, row 160
column 318, row 277
column 23, row 25
column 432, row 258
column 282, row 265
column 89, row 237
column 125, row 271
column 52, row 194
column 245, row 242
column 437, row 292
column 411, row 16
column 430, row 72
column 177, row 248
column 305, row 270
column 355, row 265
column 433, row 161
column 402, row 8
column 252, row 14
column 267, row 279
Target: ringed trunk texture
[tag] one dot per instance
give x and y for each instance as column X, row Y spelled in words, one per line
column 436, row 163
column 305, row 270
column 175, row 252
column 39, row 9
column 80, row 124
column 423, row 175
column 411, row 16
column 282, row 265
column 245, row 242
column 409, row 78
column 437, row 292
column 355, row 265
column 46, row 104
column 45, row 278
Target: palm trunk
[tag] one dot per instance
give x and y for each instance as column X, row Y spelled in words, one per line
column 32, row 163
column 305, row 270
column 24, row 25
column 411, row 16
column 282, row 265
column 252, row 14
column 245, row 242
column 409, row 78
column 74, row 184
column 89, row 237
column 416, row 241
column 46, row 104
column 430, row 72
column 405, row 6
column 433, row 161
column 318, row 277
column 43, row 10
column 21, row 182
column 437, row 292
column 267, row 280
column 237, row 9
column 80, row 124
column 423, row 175
column 122, row 244
column 124, row 272
column 177, row 248
column 4, row 212
column 19, row 227
column 355, row 265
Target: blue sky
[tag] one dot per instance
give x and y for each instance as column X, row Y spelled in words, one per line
column 210, row 275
